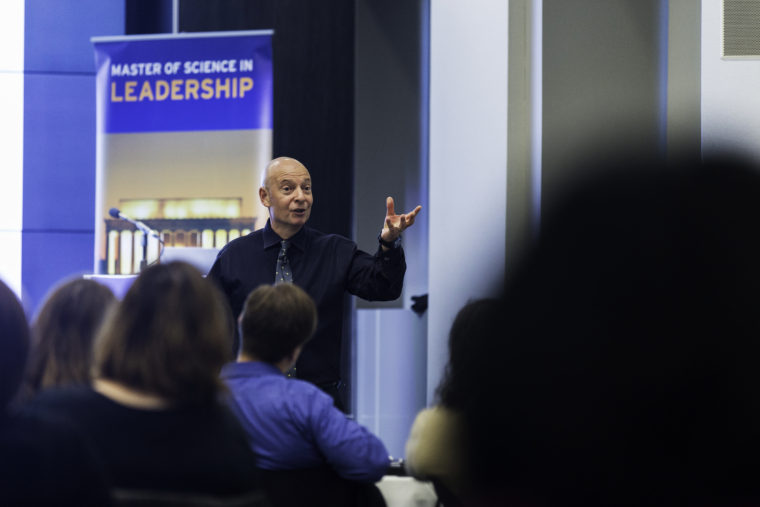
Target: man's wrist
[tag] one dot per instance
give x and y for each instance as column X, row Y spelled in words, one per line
column 389, row 244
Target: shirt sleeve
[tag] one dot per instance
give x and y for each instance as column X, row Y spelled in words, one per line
column 378, row 277
column 350, row 448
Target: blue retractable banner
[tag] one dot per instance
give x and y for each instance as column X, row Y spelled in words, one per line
column 184, row 133
column 183, row 83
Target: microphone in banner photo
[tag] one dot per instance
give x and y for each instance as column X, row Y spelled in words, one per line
column 115, row 213
column 147, row 231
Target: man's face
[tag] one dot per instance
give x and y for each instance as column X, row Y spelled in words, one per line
column 288, row 196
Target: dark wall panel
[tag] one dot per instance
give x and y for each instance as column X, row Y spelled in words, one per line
column 148, row 16
column 314, row 101
column 221, row 15
column 601, row 84
column 313, row 47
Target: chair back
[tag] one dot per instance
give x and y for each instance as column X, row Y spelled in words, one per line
column 317, row 487
column 153, row 498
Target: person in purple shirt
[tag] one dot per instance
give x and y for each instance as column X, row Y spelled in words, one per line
column 326, row 266
column 291, row 424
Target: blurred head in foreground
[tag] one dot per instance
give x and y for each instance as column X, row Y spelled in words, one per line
column 14, row 344
column 63, row 333
column 168, row 337
column 625, row 363
column 476, row 318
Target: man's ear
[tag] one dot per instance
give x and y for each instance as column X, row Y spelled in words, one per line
column 264, row 197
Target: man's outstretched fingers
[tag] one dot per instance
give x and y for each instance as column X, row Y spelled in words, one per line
column 390, row 206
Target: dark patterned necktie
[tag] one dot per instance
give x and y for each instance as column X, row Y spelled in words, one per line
column 283, row 274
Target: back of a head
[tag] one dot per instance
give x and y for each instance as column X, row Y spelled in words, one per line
column 275, row 320
column 474, row 321
column 168, row 337
column 14, row 344
column 63, row 333
column 627, row 366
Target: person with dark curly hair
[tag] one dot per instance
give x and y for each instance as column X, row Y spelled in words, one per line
column 436, row 449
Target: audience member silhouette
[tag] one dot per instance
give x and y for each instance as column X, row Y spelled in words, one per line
column 153, row 412
column 40, row 463
column 436, row 449
column 309, row 451
column 623, row 368
column 63, row 333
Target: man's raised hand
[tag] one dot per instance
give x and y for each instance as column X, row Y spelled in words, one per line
column 395, row 224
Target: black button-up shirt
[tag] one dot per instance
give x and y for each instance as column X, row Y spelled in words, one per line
column 327, row 267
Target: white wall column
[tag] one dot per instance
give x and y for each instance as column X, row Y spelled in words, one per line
column 730, row 100
column 11, row 140
column 468, row 162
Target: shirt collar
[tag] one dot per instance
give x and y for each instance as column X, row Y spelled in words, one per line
column 271, row 238
column 249, row 369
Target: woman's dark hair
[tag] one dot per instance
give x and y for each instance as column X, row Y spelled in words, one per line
column 275, row 320
column 63, row 333
column 14, row 344
column 474, row 324
column 168, row 337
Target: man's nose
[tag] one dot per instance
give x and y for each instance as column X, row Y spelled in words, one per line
column 299, row 194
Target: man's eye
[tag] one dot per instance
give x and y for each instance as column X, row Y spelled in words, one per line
column 286, row 189
column 307, row 188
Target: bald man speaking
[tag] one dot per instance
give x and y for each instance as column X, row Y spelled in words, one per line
column 326, row 266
